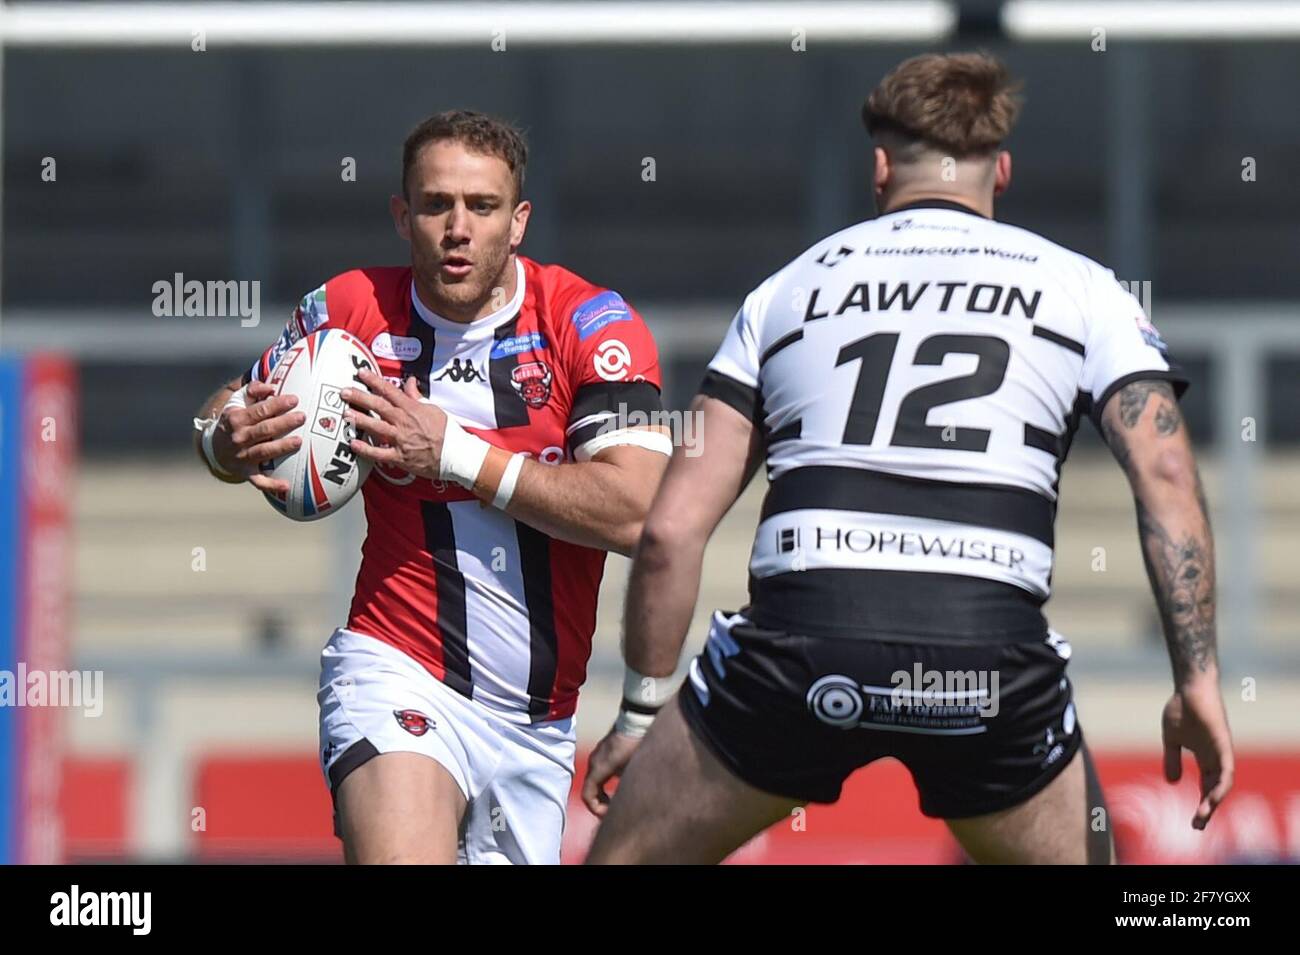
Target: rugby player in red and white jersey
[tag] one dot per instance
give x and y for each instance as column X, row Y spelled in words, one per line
column 506, row 467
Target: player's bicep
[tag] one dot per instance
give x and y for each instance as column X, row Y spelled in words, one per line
column 1144, row 428
column 702, row 484
column 640, row 469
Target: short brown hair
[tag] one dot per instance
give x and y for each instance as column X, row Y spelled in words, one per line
column 478, row 132
column 963, row 103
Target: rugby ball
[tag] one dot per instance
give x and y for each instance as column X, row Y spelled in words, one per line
column 323, row 473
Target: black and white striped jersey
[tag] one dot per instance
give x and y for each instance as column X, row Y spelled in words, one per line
column 918, row 379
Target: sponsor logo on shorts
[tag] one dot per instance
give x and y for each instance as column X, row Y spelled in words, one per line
column 935, row 702
column 414, row 722
column 836, row 700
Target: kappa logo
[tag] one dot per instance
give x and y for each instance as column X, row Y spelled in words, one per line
column 457, row 371
column 1052, row 747
column 414, row 722
column 612, row 360
column 532, row 383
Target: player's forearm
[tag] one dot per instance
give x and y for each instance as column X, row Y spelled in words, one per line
column 661, row 596
column 592, row 503
column 1178, row 548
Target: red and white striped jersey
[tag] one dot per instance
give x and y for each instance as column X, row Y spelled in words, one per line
column 494, row 608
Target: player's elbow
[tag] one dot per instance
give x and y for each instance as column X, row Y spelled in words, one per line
column 624, row 541
column 657, row 538
column 625, row 533
column 1173, row 470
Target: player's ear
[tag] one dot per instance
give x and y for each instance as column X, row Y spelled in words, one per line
column 1002, row 173
column 401, row 213
column 880, row 176
column 519, row 223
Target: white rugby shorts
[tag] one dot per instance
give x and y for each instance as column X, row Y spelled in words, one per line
column 515, row 777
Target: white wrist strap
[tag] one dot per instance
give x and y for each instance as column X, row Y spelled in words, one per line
column 506, row 489
column 632, row 724
column 237, row 400
column 646, row 691
column 209, row 429
column 462, row 455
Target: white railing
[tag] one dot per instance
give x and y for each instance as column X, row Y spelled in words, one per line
column 462, row 24
column 622, row 22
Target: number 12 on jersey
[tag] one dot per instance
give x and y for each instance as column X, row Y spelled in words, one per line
column 875, row 353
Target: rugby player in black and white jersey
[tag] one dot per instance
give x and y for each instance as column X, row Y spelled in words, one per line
column 912, row 384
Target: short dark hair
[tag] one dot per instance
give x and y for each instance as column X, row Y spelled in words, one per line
column 964, row 103
column 478, row 132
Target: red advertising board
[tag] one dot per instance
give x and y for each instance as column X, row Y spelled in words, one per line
column 275, row 806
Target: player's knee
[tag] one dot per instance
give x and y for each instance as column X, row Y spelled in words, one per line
column 400, row 857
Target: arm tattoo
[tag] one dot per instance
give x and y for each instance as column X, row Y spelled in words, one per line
column 1167, row 418
column 1133, row 401
column 1119, row 446
column 1182, row 576
column 1180, row 563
